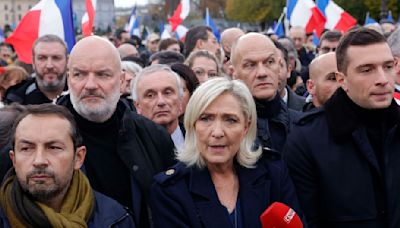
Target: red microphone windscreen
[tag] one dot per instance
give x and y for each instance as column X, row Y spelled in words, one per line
column 279, row 215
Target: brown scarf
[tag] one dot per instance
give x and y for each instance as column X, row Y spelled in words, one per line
column 23, row 211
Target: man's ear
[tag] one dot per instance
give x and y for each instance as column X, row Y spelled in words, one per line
column 342, row 80
column 138, row 107
column 310, row 86
column 12, row 156
column 200, row 44
column 80, row 155
column 290, row 69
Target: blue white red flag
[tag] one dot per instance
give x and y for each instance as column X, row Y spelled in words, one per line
column 210, row 22
column 88, row 17
column 336, row 17
column 306, row 14
column 369, row 20
column 181, row 12
column 133, row 23
column 1, row 35
column 46, row 17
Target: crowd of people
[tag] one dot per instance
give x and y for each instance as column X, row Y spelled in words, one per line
column 202, row 133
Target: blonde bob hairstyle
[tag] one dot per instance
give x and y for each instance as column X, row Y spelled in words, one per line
column 202, row 97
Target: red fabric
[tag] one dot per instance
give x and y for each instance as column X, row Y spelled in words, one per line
column 346, row 22
column 88, row 25
column 397, row 95
column 176, row 19
column 25, row 35
column 316, row 22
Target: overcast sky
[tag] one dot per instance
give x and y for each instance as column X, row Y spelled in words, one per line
column 128, row 3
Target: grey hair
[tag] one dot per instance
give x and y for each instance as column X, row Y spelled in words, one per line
column 394, row 42
column 202, row 97
column 152, row 69
column 131, row 67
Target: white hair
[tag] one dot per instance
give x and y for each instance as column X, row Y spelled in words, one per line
column 152, row 69
column 202, row 97
column 131, row 67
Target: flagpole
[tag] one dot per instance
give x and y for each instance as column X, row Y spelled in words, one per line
column 286, row 21
column 279, row 21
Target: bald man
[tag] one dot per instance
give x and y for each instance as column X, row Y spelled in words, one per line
column 127, row 49
column 256, row 62
column 228, row 37
column 322, row 83
column 124, row 150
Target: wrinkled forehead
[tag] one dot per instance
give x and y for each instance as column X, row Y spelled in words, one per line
column 253, row 43
column 96, row 50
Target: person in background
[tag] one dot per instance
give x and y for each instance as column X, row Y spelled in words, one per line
column 49, row 60
column 328, row 42
column 221, row 179
column 292, row 100
column 201, row 37
column 127, row 49
column 11, row 76
column 131, row 69
column 166, row 57
column 204, row 64
column 151, row 47
column 6, row 54
column 228, row 37
column 169, row 44
column 322, row 83
column 157, row 93
column 256, row 62
column 45, row 187
column 189, row 83
column 394, row 43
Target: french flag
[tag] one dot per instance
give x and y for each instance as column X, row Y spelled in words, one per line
column 133, row 23
column 181, row 12
column 88, row 17
column 306, row 14
column 46, row 17
column 336, row 17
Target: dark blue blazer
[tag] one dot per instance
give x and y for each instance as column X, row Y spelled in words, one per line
column 186, row 197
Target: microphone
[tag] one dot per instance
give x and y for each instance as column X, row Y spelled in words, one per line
column 279, row 215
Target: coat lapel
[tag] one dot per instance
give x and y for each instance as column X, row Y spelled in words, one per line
column 209, row 210
column 361, row 139
column 253, row 194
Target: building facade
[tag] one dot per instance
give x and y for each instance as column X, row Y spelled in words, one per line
column 105, row 13
column 12, row 11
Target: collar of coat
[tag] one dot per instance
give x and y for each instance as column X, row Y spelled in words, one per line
column 343, row 115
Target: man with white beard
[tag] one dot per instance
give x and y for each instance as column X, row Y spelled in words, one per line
column 124, row 150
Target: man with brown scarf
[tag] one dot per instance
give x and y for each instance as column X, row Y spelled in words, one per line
column 45, row 187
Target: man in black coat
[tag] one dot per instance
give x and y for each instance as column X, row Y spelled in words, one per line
column 344, row 158
column 255, row 61
column 49, row 62
column 124, row 150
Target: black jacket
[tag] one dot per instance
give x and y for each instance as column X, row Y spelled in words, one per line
column 341, row 179
column 146, row 149
column 294, row 101
column 26, row 92
column 274, row 121
column 186, row 197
